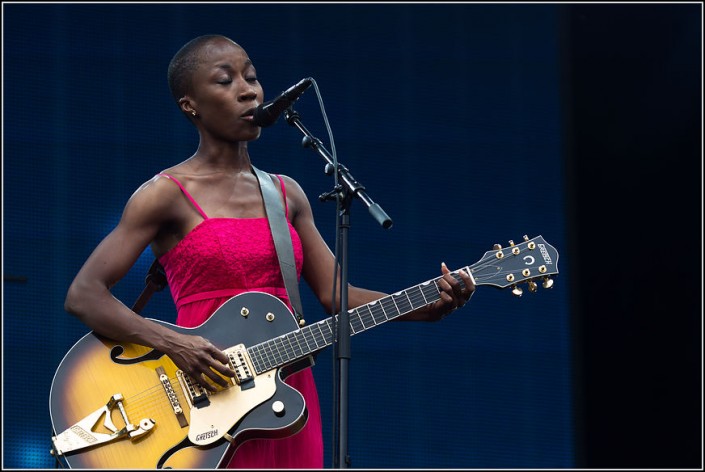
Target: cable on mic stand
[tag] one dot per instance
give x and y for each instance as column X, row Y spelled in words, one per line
column 345, row 189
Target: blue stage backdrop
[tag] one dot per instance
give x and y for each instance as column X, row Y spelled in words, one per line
column 449, row 115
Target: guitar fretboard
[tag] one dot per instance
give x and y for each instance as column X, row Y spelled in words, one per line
column 312, row 338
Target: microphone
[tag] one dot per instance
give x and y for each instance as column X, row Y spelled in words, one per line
column 268, row 113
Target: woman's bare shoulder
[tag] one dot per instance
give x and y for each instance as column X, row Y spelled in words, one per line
column 155, row 197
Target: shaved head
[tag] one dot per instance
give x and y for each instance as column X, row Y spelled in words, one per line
column 186, row 61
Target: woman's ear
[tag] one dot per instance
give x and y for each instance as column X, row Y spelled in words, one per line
column 186, row 106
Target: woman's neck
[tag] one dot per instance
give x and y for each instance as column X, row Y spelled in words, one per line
column 222, row 158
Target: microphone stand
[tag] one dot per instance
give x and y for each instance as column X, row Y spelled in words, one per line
column 344, row 192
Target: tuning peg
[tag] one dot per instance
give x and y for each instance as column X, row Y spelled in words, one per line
column 532, row 286
column 547, row 282
column 497, row 247
column 511, row 242
column 526, row 238
column 517, row 291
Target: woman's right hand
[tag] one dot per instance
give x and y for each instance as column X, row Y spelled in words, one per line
column 199, row 358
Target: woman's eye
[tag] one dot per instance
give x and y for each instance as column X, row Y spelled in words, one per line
column 251, row 79
column 225, row 81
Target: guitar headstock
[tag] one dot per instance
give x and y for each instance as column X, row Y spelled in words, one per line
column 531, row 260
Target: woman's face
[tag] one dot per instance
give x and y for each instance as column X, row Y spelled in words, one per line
column 225, row 91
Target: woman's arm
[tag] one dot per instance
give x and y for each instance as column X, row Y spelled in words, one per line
column 89, row 297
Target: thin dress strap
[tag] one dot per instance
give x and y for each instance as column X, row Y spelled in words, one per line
column 188, row 195
column 286, row 207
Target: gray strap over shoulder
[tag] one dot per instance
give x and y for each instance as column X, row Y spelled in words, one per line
column 282, row 238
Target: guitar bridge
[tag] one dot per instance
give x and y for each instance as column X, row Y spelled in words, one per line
column 81, row 435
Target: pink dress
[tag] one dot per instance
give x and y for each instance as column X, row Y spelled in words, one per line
column 218, row 259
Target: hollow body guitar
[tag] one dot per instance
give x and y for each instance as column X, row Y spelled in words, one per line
column 125, row 406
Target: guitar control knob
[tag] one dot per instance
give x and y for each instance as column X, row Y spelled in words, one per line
column 278, row 408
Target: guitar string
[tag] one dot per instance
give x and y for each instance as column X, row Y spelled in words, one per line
column 416, row 297
column 139, row 402
column 154, row 396
column 269, row 353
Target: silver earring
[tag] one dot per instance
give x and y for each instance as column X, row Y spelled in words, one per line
column 193, row 112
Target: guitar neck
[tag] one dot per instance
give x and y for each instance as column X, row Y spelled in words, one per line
column 315, row 337
column 529, row 260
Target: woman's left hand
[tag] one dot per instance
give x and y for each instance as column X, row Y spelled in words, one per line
column 453, row 294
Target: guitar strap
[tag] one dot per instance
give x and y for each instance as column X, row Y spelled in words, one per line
column 155, row 281
column 156, row 277
column 282, row 239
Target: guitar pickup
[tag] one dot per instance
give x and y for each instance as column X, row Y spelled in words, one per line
column 239, row 363
column 196, row 395
column 82, row 436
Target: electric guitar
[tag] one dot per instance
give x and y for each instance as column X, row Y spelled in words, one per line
column 121, row 405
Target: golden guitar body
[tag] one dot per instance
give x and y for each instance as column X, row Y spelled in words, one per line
column 96, row 369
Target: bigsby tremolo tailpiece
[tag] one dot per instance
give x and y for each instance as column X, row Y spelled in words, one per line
column 81, row 435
